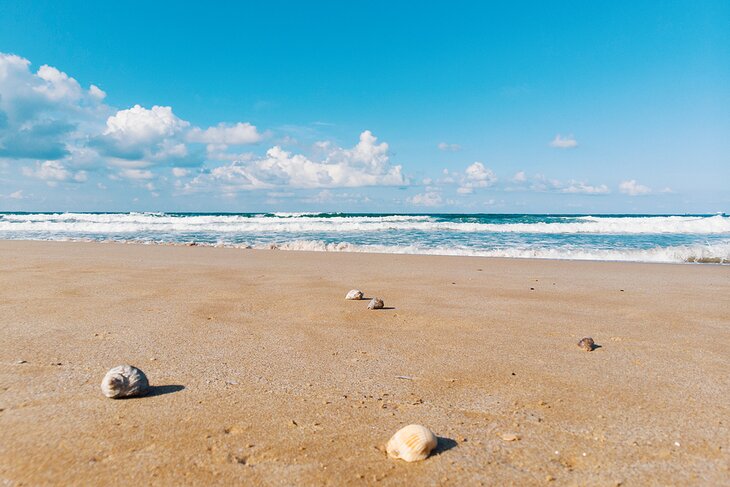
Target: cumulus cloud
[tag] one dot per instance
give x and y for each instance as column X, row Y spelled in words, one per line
column 429, row 198
column 476, row 176
column 519, row 177
column 180, row 172
column 567, row 142
column 366, row 164
column 632, row 188
column 238, row 134
column 53, row 172
column 140, row 125
column 145, row 135
column 47, row 115
column 443, row 146
column 43, row 113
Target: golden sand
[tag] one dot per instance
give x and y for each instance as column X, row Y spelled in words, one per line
column 263, row 373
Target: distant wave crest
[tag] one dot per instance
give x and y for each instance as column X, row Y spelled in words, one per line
column 337, row 223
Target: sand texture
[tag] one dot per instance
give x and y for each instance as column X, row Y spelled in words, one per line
column 262, row 373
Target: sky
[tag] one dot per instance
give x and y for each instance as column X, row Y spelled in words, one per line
column 450, row 107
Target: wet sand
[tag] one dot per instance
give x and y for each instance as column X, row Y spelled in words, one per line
column 264, row 374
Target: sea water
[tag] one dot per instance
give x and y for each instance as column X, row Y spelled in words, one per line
column 643, row 238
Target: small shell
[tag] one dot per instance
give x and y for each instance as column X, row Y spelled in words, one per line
column 376, row 303
column 412, row 443
column 124, row 381
column 355, row 294
column 587, row 344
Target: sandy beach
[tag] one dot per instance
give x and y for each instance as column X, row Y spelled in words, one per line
column 263, row 373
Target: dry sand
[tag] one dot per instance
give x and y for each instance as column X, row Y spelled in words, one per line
column 265, row 375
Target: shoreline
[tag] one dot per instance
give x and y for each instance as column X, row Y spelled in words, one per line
column 266, row 375
column 712, row 262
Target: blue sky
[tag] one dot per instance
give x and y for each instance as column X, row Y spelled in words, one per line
column 452, row 107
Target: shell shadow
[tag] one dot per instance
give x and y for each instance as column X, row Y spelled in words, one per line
column 444, row 444
column 162, row 390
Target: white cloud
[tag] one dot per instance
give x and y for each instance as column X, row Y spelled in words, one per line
column 97, row 92
column 572, row 186
column 443, row 146
column 561, row 142
column 16, row 195
column 519, row 177
column 430, row 198
column 58, row 85
column 136, row 174
column 180, row 172
column 145, row 135
column 580, row 187
column 43, row 115
column 138, row 124
column 238, row 134
column 476, row 176
column 632, row 188
column 480, row 175
column 53, row 172
column 366, row 164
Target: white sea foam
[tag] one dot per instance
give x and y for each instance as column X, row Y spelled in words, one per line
column 154, row 222
column 630, row 238
column 711, row 253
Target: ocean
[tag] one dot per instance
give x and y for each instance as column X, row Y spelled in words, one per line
column 639, row 238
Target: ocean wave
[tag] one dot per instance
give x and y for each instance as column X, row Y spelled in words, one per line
column 711, row 253
column 101, row 223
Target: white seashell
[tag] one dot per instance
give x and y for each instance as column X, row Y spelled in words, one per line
column 412, row 443
column 124, row 381
column 355, row 294
column 376, row 303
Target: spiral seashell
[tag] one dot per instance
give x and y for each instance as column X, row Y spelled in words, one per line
column 587, row 344
column 124, row 381
column 355, row 294
column 376, row 303
column 412, row 443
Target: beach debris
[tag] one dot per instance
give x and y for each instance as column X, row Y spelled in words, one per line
column 412, row 443
column 21, row 361
column 376, row 303
column 354, row 294
column 587, row 344
column 509, row 437
column 124, row 381
column 404, row 377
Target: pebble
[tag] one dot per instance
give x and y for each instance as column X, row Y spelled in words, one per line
column 587, row 344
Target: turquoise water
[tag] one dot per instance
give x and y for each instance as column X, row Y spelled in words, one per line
column 647, row 238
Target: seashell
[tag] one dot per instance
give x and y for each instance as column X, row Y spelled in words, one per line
column 376, row 303
column 124, row 381
column 587, row 344
column 412, row 443
column 355, row 294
